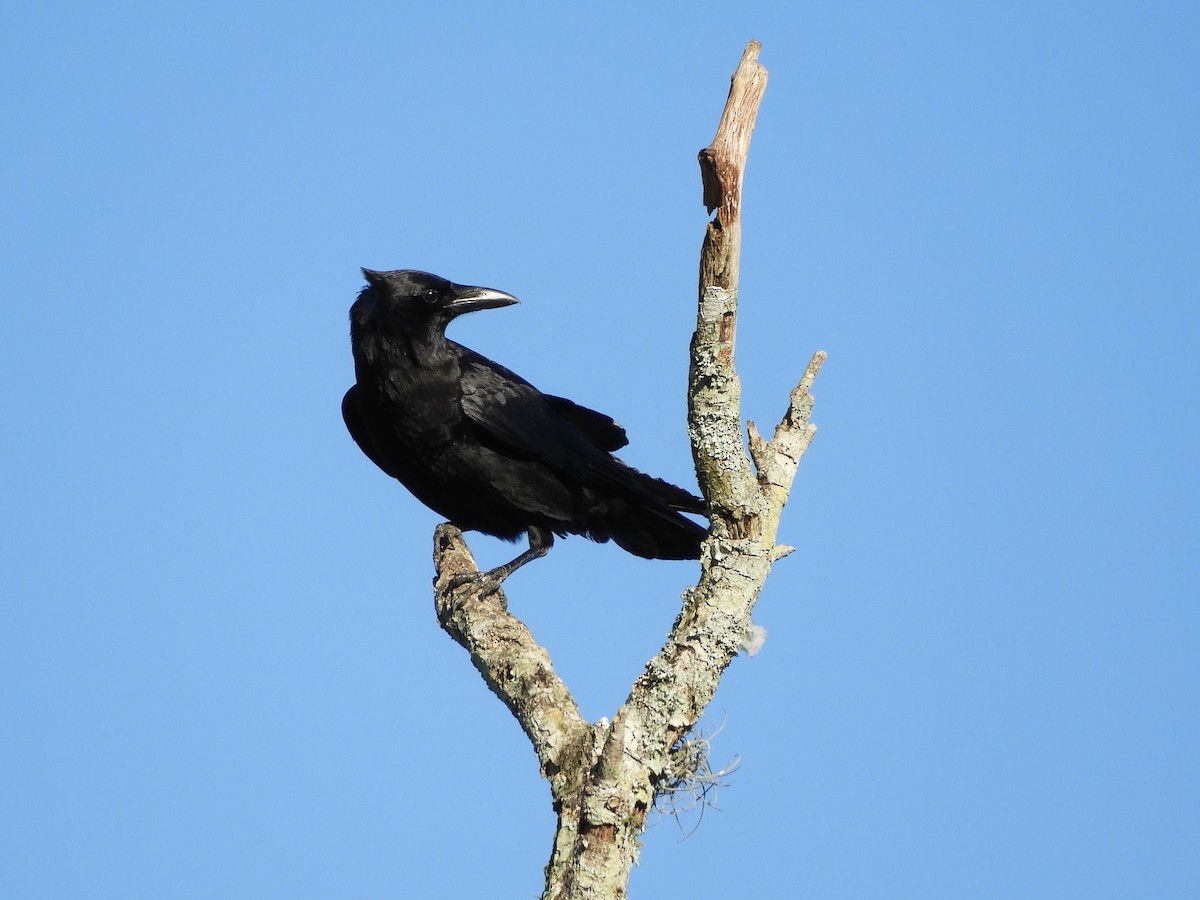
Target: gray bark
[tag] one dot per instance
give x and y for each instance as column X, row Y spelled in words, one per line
column 604, row 776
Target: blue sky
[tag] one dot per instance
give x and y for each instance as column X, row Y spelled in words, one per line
column 220, row 674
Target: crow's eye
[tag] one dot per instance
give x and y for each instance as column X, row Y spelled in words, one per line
column 431, row 295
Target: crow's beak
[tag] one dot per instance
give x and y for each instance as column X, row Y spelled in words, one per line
column 468, row 299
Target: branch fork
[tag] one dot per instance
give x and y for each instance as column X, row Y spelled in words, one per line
column 604, row 777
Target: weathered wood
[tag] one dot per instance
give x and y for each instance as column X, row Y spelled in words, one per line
column 604, row 776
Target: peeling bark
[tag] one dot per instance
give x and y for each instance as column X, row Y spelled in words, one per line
column 604, row 776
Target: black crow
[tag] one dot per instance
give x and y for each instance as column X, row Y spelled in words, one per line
column 483, row 447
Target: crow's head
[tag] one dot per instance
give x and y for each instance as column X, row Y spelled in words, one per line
column 409, row 296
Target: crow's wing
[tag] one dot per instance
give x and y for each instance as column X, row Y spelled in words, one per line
column 515, row 411
column 600, row 429
column 513, row 416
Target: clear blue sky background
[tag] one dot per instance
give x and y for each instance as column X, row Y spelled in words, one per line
column 220, row 674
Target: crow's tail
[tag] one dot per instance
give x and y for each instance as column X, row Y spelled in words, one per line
column 644, row 518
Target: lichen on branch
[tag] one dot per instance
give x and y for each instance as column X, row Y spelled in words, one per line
column 605, row 776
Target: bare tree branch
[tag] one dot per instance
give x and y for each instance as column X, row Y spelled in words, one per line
column 513, row 664
column 605, row 776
